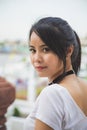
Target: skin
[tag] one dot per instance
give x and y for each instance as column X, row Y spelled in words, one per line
column 47, row 64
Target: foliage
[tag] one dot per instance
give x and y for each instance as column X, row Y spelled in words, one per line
column 16, row 112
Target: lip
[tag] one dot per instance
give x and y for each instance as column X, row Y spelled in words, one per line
column 39, row 68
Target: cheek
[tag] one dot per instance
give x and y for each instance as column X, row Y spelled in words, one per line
column 55, row 62
column 31, row 59
column 48, row 60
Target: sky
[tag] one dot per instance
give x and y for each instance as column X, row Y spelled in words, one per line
column 17, row 16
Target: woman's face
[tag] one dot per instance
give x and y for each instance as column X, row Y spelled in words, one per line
column 45, row 62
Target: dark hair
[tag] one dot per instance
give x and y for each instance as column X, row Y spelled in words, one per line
column 58, row 35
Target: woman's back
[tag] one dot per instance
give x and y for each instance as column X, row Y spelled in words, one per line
column 78, row 90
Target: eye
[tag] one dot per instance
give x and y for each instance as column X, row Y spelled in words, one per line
column 46, row 49
column 32, row 50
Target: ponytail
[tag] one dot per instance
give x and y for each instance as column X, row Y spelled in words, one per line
column 77, row 58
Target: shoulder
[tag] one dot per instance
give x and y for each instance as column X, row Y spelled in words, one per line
column 83, row 85
column 54, row 89
column 50, row 107
column 52, row 94
column 83, row 82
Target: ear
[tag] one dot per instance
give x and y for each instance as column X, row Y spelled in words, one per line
column 69, row 51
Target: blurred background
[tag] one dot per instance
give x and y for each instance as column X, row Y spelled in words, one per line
column 16, row 18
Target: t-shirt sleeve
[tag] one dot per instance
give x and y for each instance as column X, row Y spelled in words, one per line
column 50, row 108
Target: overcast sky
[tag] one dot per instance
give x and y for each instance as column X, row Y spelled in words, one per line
column 17, row 16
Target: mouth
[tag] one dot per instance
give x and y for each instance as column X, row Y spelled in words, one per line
column 40, row 68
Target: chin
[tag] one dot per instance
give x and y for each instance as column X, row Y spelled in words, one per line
column 41, row 75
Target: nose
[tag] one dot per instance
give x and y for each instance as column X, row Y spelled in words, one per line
column 37, row 57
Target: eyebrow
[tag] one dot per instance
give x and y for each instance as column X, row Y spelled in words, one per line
column 41, row 46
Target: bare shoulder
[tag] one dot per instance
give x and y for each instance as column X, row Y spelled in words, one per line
column 83, row 83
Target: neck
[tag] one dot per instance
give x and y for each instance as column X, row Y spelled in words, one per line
column 60, row 77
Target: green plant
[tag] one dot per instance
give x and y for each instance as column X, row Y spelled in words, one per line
column 16, row 112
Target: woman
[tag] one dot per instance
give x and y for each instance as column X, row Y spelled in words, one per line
column 56, row 53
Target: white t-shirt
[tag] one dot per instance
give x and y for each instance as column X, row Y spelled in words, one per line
column 56, row 108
